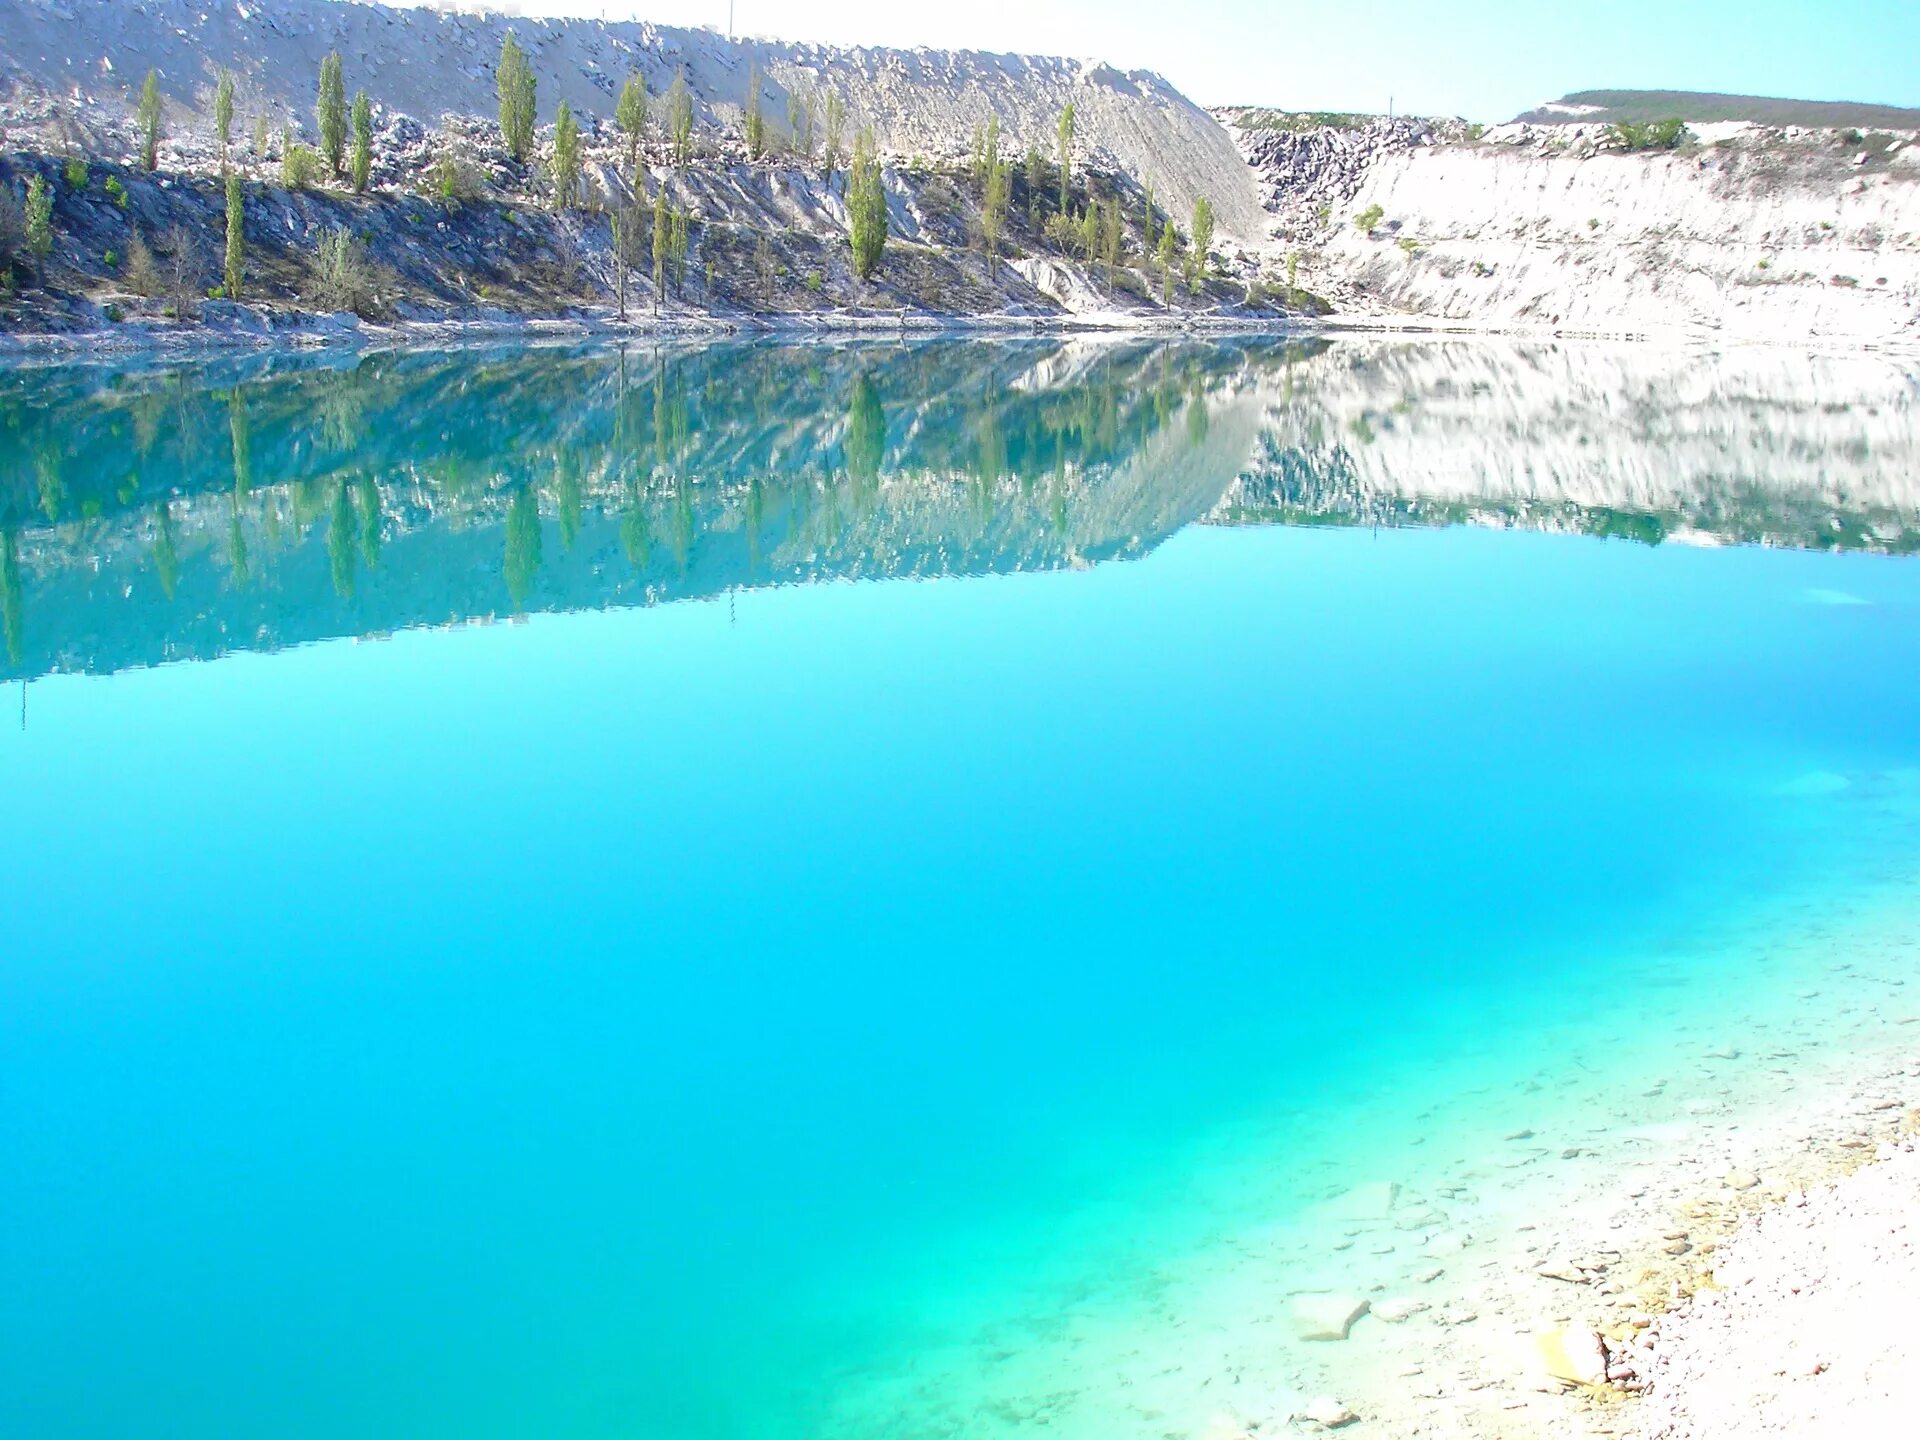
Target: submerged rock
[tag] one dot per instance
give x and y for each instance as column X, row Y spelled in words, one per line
column 1569, row 1356
column 1326, row 1411
column 1326, row 1317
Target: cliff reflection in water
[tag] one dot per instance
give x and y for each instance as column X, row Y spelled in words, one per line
column 149, row 515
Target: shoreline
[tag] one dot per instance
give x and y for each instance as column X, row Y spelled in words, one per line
column 313, row 331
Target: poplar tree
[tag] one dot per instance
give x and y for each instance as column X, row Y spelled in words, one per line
column 513, row 79
column 362, row 142
column 662, row 246
column 330, row 113
column 994, row 195
column 566, row 157
column 1202, row 241
column 680, row 118
column 150, row 122
column 223, row 115
column 1112, row 233
column 630, row 117
column 866, row 208
column 800, row 123
column 1066, row 156
column 756, row 121
column 39, row 225
column 836, row 119
column 234, row 270
column 1168, row 242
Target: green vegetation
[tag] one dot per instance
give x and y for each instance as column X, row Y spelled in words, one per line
column 1368, row 220
column 150, row 118
column 630, row 118
column 1650, row 134
column 223, row 116
column 518, row 92
column 330, row 113
column 800, row 124
column 1703, row 108
column 566, row 157
column 116, row 192
column 756, row 121
column 342, row 279
column 301, row 165
column 1202, row 241
column 76, row 172
column 362, row 141
column 234, row 270
column 835, row 126
column 39, row 225
column 1065, row 138
column 1169, row 251
column 1254, row 117
column 680, row 118
column 866, row 208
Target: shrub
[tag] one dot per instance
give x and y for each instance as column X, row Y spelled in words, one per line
column 300, row 166
column 13, row 228
column 111, row 259
column 116, row 192
column 76, row 173
column 1649, row 134
column 1368, row 220
column 142, row 274
column 1410, row 245
column 455, row 179
column 342, row 278
column 183, row 272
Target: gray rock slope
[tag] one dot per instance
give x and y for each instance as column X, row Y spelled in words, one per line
column 430, row 62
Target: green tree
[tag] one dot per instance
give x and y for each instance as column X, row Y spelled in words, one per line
column 678, row 238
column 330, row 113
column 756, row 124
column 629, row 227
column 630, row 117
column 39, row 225
column 236, row 260
column 994, row 195
column 362, row 141
column 662, row 245
column 1202, row 241
column 150, row 118
column 866, row 208
column 223, row 115
column 566, row 157
column 1066, row 156
column 518, row 91
column 986, row 152
column 1112, row 233
column 1169, row 247
column 680, row 118
column 835, row 126
column 800, row 123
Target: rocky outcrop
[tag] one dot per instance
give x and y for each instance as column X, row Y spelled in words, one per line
column 1742, row 231
column 427, row 62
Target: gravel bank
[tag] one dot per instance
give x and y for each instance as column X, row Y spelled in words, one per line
column 1811, row 1323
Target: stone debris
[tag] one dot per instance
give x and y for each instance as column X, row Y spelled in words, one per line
column 1326, row 1317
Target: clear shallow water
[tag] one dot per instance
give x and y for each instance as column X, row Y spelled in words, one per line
column 709, row 1005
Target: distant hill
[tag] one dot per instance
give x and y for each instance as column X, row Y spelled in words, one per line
column 1606, row 106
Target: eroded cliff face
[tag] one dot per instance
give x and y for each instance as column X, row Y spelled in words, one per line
column 1745, row 232
column 430, row 62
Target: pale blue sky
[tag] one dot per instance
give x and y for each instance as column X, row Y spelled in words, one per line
column 1486, row 59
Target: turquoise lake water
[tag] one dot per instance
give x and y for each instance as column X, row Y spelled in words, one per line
column 930, row 807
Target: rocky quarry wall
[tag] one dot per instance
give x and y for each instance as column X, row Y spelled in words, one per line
column 1745, row 231
column 426, row 63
